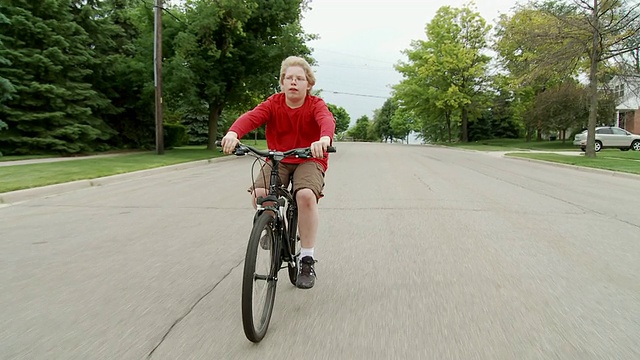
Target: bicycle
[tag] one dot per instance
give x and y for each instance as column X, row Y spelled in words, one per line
column 275, row 230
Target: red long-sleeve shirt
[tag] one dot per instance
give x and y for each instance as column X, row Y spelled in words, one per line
column 288, row 128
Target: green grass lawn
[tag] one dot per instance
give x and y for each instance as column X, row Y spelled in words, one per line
column 615, row 160
column 17, row 177
column 515, row 144
column 610, row 159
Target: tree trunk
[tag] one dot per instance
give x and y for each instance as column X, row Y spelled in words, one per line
column 214, row 115
column 465, row 125
column 593, row 85
column 448, row 120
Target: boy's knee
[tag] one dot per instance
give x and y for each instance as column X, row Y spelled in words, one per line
column 306, row 197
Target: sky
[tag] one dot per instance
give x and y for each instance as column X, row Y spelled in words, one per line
column 360, row 41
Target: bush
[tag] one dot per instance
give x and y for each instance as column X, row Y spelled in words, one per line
column 174, row 135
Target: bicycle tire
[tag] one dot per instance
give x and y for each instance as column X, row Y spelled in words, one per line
column 294, row 246
column 255, row 319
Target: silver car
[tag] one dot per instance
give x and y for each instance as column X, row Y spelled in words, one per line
column 610, row 137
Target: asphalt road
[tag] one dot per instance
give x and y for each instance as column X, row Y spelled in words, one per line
column 424, row 253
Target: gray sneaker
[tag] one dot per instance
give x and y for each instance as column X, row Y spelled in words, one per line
column 306, row 273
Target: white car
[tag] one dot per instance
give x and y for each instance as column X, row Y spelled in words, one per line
column 610, row 137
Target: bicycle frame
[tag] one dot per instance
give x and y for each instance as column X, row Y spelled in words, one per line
column 282, row 204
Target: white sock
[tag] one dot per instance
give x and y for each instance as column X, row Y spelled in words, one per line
column 306, row 252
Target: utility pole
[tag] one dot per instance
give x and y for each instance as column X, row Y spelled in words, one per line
column 157, row 62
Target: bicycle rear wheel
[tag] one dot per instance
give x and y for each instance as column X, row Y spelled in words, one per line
column 261, row 265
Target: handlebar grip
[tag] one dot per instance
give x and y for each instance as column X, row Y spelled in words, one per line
column 331, row 149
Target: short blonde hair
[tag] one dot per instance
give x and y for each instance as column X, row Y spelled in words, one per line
column 298, row 61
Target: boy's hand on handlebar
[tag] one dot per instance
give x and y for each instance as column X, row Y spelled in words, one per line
column 229, row 142
column 318, row 148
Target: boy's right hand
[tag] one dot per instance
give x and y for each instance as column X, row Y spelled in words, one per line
column 229, row 142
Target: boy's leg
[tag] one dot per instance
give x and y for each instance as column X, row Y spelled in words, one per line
column 308, row 182
column 308, row 217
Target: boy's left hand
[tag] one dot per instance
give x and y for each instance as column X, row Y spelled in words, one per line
column 318, row 148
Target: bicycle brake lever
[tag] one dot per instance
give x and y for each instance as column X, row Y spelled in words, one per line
column 306, row 154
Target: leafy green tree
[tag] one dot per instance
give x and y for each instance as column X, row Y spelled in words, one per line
column 360, row 131
column 446, row 74
column 520, row 55
column 562, row 108
column 52, row 109
column 580, row 35
column 229, row 51
column 402, row 123
column 383, row 118
column 342, row 118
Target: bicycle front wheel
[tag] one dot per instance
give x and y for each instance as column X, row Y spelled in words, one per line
column 294, row 247
column 261, row 265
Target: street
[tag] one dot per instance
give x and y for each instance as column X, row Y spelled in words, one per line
column 423, row 253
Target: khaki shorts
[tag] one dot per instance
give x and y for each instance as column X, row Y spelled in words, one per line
column 306, row 175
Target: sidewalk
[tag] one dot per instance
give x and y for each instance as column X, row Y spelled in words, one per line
column 55, row 159
column 503, row 153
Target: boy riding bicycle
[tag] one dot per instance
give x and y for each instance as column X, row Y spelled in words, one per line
column 294, row 119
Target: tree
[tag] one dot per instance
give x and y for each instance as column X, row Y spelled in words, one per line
column 229, row 51
column 520, row 54
column 342, row 118
column 446, row 74
column 360, row 132
column 563, row 107
column 612, row 25
column 52, row 109
column 6, row 88
column 402, row 123
column 121, row 33
column 383, row 118
column 583, row 34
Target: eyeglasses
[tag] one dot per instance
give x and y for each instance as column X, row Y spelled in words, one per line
column 296, row 78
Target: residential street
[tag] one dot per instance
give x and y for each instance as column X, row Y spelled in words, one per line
column 423, row 253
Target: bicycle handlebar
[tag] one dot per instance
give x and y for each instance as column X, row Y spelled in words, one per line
column 303, row 153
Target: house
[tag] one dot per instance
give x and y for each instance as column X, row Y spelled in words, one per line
column 627, row 90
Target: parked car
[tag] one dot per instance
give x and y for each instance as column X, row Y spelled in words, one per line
column 610, row 137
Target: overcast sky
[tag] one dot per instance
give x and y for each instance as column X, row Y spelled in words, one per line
column 361, row 40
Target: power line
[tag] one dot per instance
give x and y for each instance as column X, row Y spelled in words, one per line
column 355, row 56
column 356, row 66
column 164, row 9
column 354, row 94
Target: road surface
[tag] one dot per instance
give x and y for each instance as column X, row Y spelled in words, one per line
column 424, row 253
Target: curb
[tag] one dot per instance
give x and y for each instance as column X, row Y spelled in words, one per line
column 13, row 197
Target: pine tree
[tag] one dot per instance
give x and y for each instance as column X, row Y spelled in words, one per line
column 6, row 88
column 52, row 108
